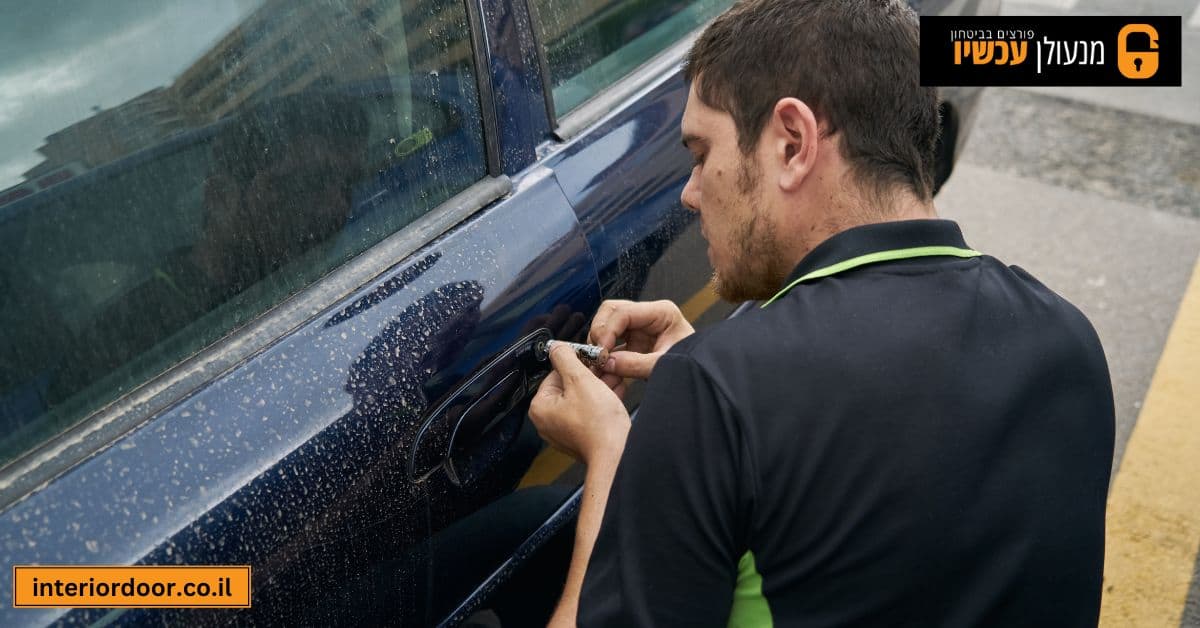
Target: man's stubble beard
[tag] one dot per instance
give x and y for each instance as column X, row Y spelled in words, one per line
column 758, row 265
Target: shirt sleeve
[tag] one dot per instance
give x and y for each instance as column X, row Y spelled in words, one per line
column 672, row 532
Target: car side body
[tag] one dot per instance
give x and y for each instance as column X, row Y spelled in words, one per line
column 350, row 420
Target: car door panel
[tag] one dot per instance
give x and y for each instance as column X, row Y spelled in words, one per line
column 624, row 176
column 375, row 463
column 621, row 166
column 296, row 460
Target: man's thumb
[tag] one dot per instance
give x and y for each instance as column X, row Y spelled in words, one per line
column 567, row 363
column 631, row 364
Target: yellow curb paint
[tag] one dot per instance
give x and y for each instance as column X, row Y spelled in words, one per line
column 546, row 467
column 551, row 463
column 1154, row 506
column 699, row 303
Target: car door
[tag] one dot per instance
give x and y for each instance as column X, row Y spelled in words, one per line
column 274, row 302
column 608, row 74
column 617, row 93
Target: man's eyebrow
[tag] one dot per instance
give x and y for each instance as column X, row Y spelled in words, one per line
column 689, row 138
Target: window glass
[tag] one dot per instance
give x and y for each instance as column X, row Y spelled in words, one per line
column 170, row 169
column 590, row 44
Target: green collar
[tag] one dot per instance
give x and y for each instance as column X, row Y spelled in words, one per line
column 874, row 258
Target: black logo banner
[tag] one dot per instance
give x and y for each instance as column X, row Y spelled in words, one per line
column 1051, row 50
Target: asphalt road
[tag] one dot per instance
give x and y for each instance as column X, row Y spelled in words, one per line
column 1096, row 191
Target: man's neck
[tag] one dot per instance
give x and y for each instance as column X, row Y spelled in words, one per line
column 910, row 208
column 865, row 208
column 846, row 211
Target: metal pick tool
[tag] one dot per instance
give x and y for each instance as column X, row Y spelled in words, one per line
column 590, row 355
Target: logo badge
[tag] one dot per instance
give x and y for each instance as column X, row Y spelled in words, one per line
column 1110, row 50
column 1137, row 64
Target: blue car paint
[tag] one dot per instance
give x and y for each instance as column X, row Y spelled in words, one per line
column 293, row 461
column 624, row 178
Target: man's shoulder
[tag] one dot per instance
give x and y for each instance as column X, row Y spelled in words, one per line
column 750, row 340
column 725, row 335
column 1062, row 320
column 826, row 325
column 1038, row 298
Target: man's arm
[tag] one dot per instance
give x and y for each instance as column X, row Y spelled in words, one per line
column 596, row 486
column 576, row 412
column 678, row 516
column 663, row 547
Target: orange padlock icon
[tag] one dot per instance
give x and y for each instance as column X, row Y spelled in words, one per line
column 1137, row 64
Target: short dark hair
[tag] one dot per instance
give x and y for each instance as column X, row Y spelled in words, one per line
column 854, row 62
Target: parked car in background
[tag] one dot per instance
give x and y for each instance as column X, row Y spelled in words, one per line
column 272, row 272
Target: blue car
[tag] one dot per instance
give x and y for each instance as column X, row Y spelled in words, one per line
column 273, row 274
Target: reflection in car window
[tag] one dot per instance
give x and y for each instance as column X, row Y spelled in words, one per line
column 590, row 44
column 170, row 170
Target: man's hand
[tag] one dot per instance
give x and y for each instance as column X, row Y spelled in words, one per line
column 648, row 329
column 577, row 413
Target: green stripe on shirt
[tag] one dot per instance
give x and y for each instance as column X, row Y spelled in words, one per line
column 750, row 608
column 875, row 258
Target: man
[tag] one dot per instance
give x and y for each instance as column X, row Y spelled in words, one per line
column 906, row 433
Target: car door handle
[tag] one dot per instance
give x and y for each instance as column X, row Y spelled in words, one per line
column 473, row 426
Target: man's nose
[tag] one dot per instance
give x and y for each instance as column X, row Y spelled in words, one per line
column 690, row 197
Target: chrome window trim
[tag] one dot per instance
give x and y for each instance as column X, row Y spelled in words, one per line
column 95, row 432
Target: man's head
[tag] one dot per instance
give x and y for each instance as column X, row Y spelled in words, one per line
column 805, row 118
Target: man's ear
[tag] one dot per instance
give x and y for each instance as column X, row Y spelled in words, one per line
column 794, row 138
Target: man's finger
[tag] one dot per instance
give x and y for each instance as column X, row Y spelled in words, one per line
column 617, row 317
column 567, row 364
column 552, row 385
column 602, row 329
column 631, row 364
column 545, row 401
column 611, row 380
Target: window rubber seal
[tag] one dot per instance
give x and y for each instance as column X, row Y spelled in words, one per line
column 543, row 66
column 486, row 89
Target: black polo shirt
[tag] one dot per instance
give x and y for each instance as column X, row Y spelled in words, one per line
column 915, row 442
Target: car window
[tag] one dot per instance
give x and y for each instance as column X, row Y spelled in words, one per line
column 591, row 44
column 171, row 169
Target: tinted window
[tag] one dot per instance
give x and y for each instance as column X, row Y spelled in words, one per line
column 170, row 170
column 590, row 44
